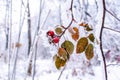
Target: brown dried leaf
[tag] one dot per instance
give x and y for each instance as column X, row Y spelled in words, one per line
column 62, row 53
column 81, row 45
column 18, row 45
column 76, row 29
column 83, row 24
column 75, row 36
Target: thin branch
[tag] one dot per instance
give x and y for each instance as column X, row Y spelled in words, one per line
column 9, row 32
column 16, row 53
column 21, row 22
column 112, row 14
column 62, row 72
column 34, row 62
column 111, row 29
column 101, row 33
column 113, row 65
column 71, row 9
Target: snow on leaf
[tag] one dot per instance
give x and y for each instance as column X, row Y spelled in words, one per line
column 76, row 29
column 68, row 46
column 75, row 35
column 81, row 45
column 62, row 53
column 59, row 62
column 89, row 53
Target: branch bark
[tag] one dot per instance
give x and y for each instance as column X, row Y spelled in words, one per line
column 29, row 28
column 101, row 33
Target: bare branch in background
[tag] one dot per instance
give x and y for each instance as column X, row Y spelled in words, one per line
column 34, row 63
column 35, row 38
column 21, row 22
column 8, row 27
column 112, row 14
column 29, row 28
column 111, row 29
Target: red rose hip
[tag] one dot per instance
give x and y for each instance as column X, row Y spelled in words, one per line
column 50, row 33
column 55, row 40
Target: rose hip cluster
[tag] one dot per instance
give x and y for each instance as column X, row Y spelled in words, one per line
column 52, row 37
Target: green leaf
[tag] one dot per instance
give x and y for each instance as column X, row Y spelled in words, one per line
column 68, row 46
column 89, row 53
column 91, row 37
column 59, row 62
column 88, row 28
column 81, row 45
column 58, row 30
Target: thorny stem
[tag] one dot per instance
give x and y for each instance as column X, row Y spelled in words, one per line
column 101, row 31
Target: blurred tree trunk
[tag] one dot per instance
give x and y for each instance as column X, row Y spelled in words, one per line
column 29, row 28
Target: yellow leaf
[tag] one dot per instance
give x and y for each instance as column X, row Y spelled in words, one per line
column 58, row 30
column 81, row 45
column 89, row 52
column 59, row 62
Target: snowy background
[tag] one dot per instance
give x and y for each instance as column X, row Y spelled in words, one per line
column 56, row 12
